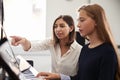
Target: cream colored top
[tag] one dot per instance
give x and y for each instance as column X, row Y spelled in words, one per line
column 66, row 64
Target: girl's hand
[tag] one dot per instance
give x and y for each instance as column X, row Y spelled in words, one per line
column 49, row 76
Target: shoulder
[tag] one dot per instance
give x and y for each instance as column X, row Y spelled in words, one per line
column 108, row 48
column 103, row 49
column 108, row 53
column 76, row 47
column 75, row 44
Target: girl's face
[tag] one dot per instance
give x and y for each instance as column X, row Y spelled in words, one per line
column 62, row 29
column 86, row 24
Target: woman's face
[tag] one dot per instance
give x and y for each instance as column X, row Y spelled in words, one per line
column 62, row 29
column 86, row 24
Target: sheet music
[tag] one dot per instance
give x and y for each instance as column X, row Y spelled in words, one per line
column 18, row 64
column 27, row 70
column 24, row 65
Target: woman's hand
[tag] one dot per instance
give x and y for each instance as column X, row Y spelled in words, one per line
column 16, row 40
column 49, row 76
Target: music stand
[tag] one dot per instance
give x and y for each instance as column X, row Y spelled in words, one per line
column 1, row 30
column 11, row 74
column 1, row 16
column 6, row 67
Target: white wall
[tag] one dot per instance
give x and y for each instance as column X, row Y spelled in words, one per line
column 22, row 16
column 61, row 7
column 41, row 59
column 70, row 7
column 112, row 9
column 25, row 18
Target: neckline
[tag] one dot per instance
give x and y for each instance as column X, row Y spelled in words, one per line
column 95, row 46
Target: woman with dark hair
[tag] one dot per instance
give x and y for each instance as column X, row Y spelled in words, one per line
column 99, row 59
column 64, row 49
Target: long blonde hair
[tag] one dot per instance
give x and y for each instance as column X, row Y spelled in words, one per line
column 97, row 13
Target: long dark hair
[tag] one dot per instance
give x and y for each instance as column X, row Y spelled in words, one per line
column 69, row 20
